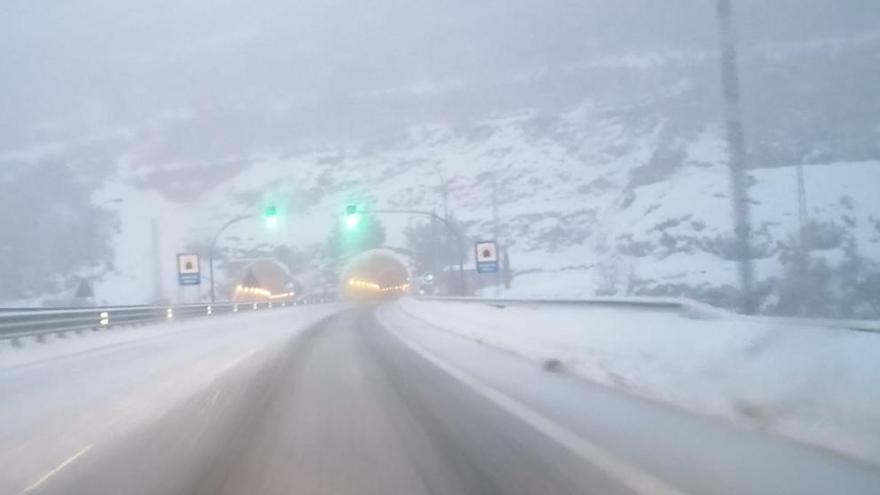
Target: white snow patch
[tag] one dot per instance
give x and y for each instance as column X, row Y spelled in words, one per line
column 812, row 384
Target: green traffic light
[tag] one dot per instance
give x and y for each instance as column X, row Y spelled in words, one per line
column 352, row 217
column 271, row 215
column 352, row 222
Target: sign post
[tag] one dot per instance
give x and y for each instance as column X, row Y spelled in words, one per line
column 189, row 270
column 487, row 257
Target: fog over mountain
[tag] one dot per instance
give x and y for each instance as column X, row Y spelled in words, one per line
column 280, row 71
column 600, row 121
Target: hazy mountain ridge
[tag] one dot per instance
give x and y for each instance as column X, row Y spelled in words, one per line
column 612, row 191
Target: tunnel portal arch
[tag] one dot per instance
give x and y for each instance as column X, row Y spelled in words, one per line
column 264, row 279
column 376, row 274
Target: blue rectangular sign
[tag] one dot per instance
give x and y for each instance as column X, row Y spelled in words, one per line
column 487, row 257
column 190, row 279
column 189, row 269
column 487, row 267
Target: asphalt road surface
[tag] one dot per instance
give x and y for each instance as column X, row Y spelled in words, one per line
column 347, row 407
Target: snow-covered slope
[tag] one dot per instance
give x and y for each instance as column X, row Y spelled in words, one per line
column 811, row 384
column 611, row 178
column 575, row 210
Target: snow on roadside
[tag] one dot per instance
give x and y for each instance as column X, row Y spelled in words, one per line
column 95, row 389
column 811, row 384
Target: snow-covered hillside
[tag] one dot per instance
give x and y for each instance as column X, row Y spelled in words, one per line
column 610, row 177
column 576, row 212
column 808, row 383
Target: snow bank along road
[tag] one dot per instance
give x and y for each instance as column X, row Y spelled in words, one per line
column 813, row 384
column 339, row 400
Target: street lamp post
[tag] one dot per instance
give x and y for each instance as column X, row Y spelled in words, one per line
column 444, row 191
column 94, row 275
column 214, row 247
column 737, row 151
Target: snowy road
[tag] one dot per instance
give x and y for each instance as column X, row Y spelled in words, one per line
column 345, row 405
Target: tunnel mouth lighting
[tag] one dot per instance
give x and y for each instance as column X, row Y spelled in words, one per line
column 397, row 288
column 376, row 275
column 355, row 283
column 260, row 293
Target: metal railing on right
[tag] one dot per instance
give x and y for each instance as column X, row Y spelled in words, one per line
column 683, row 306
column 35, row 322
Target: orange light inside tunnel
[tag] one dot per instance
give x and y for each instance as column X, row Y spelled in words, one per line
column 286, row 295
column 397, row 288
column 242, row 291
column 375, row 275
column 355, row 283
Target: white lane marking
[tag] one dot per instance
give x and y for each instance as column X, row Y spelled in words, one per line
column 57, row 470
column 628, row 475
column 214, row 398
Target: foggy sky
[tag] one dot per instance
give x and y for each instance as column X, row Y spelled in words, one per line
column 80, row 66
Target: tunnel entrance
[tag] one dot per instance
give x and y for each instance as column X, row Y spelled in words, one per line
column 375, row 275
column 264, row 280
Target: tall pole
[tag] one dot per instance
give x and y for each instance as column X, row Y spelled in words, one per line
column 444, row 190
column 436, row 252
column 496, row 227
column 94, row 227
column 803, row 217
column 737, row 152
column 158, row 288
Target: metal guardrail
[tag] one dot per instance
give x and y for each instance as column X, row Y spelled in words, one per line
column 16, row 323
column 870, row 326
column 684, row 306
column 660, row 303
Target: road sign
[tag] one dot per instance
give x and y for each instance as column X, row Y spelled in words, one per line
column 487, row 257
column 189, row 270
